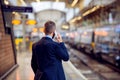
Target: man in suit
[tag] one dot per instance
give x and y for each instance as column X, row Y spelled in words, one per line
column 47, row 55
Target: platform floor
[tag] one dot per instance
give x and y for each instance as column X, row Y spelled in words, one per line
column 24, row 71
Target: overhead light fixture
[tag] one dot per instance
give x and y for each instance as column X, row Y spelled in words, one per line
column 34, row 30
column 41, row 29
column 16, row 22
column 13, row 12
column 66, row 27
column 86, row 13
column 31, row 22
column 91, row 10
column 23, row 2
column 57, row 0
column 38, row 0
column 78, row 18
column 73, row 20
column 74, row 3
column 6, row 2
column 16, row 13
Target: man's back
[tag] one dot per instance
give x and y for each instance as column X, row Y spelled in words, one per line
column 49, row 56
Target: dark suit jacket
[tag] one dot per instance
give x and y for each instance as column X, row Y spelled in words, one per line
column 47, row 57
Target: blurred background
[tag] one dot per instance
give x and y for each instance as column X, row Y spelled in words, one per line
column 88, row 26
column 72, row 18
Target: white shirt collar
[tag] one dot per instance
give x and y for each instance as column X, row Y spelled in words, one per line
column 48, row 36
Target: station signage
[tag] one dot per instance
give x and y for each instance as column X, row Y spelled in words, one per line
column 7, row 8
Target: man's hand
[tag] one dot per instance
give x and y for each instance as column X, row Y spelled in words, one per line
column 59, row 38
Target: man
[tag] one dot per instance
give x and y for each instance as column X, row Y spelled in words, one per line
column 48, row 55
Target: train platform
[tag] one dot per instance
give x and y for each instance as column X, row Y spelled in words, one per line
column 24, row 71
column 71, row 72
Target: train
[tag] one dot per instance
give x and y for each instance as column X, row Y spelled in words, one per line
column 103, row 43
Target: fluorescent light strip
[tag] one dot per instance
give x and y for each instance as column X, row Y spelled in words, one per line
column 77, row 18
column 91, row 10
column 86, row 13
column 74, row 3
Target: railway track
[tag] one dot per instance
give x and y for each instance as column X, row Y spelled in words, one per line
column 92, row 69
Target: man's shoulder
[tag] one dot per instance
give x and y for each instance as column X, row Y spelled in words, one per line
column 51, row 44
column 46, row 42
column 34, row 44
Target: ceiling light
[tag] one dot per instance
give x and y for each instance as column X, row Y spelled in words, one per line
column 91, row 10
column 74, row 3
column 41, row 29
column 16, row 22
column 57, row 0
column 23, row 2
column 13, row 12
column 65, row 27
column 86, row 13
column 73, row 20
column 6, row 2
column 38, row 0
column 79, row 18
column 31, row 22
column 34, row 29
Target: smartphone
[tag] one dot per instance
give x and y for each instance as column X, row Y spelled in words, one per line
column 54, row 35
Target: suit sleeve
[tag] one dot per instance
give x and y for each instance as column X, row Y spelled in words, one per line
column 62, row 52
column 33, row 60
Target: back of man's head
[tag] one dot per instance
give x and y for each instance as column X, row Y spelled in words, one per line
column 49, row 27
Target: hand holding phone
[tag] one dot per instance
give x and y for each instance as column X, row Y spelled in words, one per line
column 54, row 35
column 58, row 38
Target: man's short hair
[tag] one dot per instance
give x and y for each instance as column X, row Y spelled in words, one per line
column 49, row 27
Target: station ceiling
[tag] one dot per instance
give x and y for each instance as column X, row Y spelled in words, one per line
column 69, row 3
column 58, row 16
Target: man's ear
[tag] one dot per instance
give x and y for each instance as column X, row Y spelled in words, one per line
column 44, row 30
